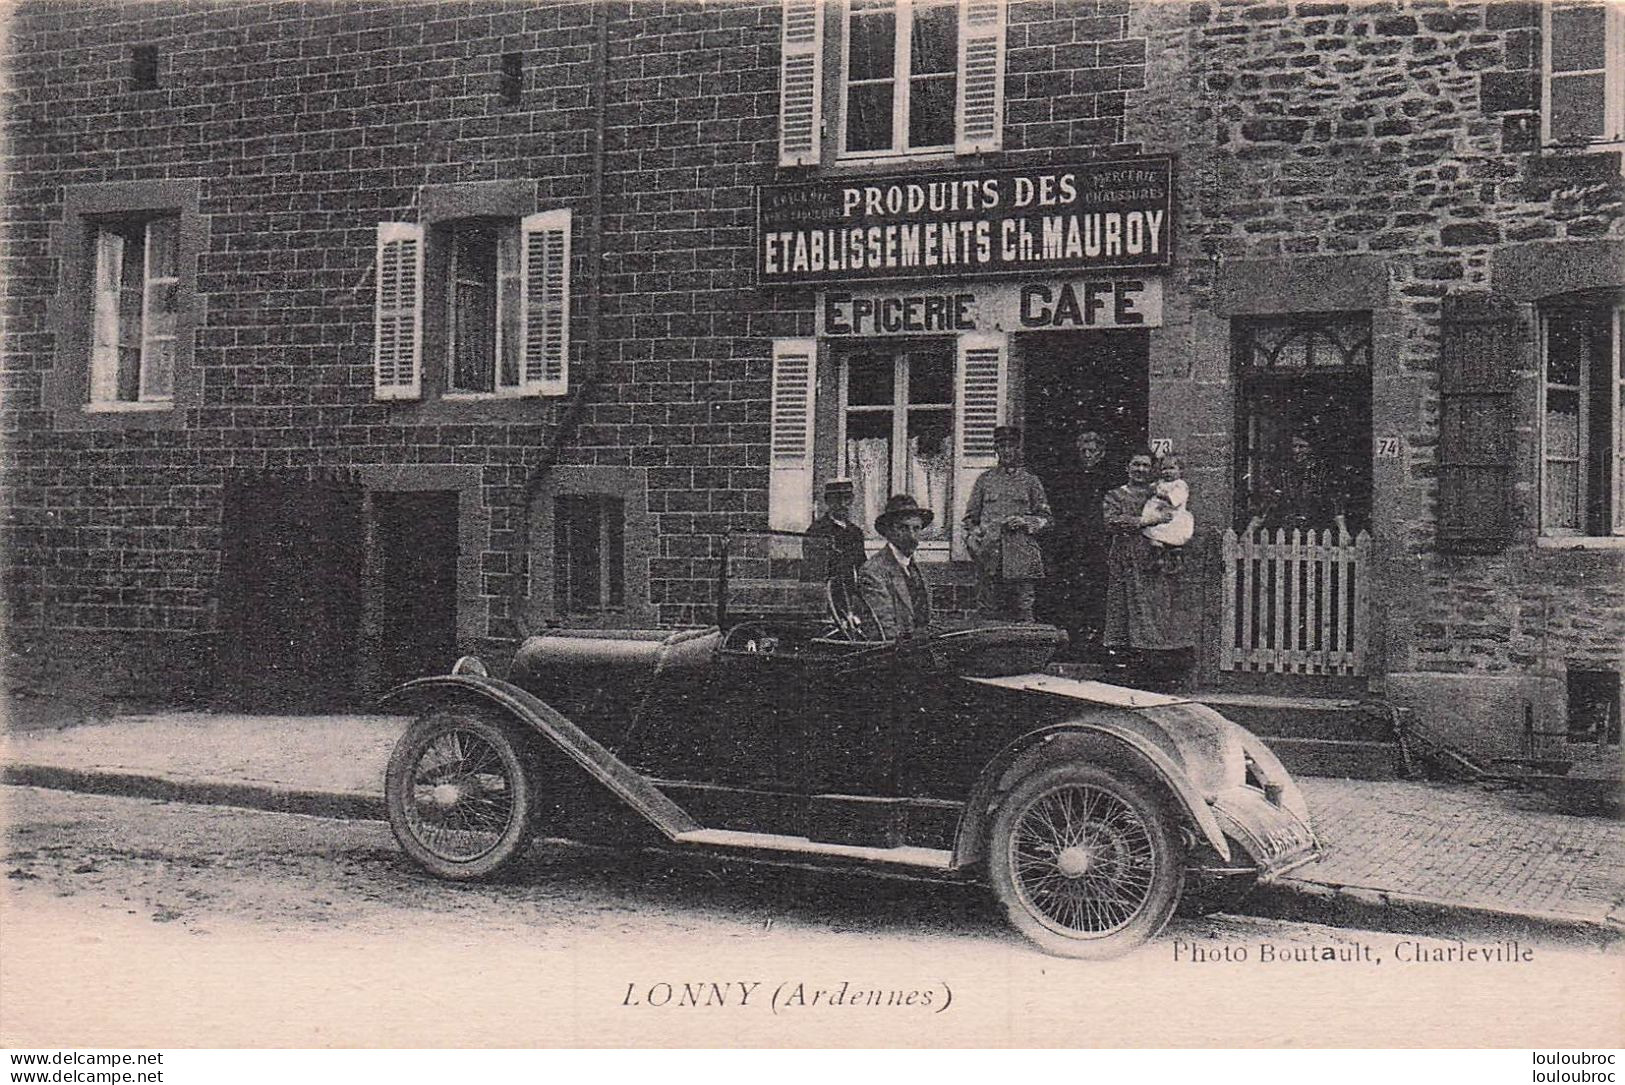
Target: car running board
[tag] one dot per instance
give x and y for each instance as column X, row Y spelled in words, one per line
column 925, row 858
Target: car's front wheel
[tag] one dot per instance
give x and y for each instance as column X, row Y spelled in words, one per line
column 460, row 800
column 1086, row 861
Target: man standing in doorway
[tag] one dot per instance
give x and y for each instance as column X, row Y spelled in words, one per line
column 1079, row 546
column 1006, row 511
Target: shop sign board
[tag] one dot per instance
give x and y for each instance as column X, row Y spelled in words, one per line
column 1068, row 304
column 1056, row 219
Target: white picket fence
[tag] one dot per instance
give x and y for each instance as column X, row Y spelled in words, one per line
column 1295, row 602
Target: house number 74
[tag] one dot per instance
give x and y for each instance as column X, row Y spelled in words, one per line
column 1388, row 448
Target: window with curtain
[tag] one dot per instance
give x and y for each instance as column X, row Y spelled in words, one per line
column 134, row 305
column 483, row 307
column 1581, row 428
column 901, row 76
column 897, row 431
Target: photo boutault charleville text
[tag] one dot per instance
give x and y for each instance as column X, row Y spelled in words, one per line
column 813, row 523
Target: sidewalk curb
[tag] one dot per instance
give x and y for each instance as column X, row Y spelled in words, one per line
column 1288, row 898
column 346, row 805
column 1403, row 913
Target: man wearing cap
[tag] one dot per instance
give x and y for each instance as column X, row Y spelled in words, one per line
column 891, row 581
column 1006, row 511
column 846, row 554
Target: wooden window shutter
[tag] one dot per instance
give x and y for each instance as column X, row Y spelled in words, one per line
column 980, row 382
column 790, row 480
column 1486, row 342
column 979, row 109
column 544, row 307
column 801, row 82
column 397, row 352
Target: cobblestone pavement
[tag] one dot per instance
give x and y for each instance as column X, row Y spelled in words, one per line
column 1454, row 846
column 1501, row 850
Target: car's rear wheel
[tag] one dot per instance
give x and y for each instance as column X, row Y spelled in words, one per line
column 1086, row 861
column 460, row 800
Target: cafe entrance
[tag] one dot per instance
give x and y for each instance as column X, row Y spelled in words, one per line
column 1078, row 381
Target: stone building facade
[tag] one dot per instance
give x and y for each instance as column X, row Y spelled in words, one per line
column 1392, row 230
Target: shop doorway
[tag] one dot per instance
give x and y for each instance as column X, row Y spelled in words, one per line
column 290, row 593
column 1077, row 381
column 415, row 533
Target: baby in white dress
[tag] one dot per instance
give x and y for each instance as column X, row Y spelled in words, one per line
column 1171, row 494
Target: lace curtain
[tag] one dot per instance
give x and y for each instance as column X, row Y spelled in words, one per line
column 868, row 461
column 930, row 478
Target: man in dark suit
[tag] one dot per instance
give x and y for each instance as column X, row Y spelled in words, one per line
column 891, row 582
column 846, row 554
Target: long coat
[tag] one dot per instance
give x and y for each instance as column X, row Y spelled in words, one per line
column 1000, row 492
column 1144, row 602
column 899, row 597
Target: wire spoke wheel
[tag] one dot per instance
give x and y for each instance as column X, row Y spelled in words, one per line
column 460, row 802
column 1085, row 860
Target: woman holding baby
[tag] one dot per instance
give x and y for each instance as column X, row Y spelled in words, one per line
column 1147, row 626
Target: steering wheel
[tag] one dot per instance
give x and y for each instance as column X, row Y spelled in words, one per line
column 853, row 617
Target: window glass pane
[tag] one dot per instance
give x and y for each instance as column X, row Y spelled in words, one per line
column 1600, row 425
column 934, row 41
column 930, row 378
column 1563, row 424
column 158, row 374
column 109, row 260
column 1562, row 498
column 869, row 380
column 1578, row 37
column 508, row 300
column 614, row 550
column 1577, row 107
column 1564, row 336
column 473, row 309
column 129, row 316
column 929, row 465
column 129, row 373
column 931, row 112
column 872, row 53
column 868, row 117
column 868, row 465
column 577, row 529
column 163, row 298
column 161, row 239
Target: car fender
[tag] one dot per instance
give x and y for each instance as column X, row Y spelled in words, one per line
column 542, row 719
column 1099, row 741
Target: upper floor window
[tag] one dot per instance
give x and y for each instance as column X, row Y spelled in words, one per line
column 902, row 68
column 482, row 306
column 1581, row 428
column 1584, row 95
column 910, row 77
column 133, row 309
column 497, row 295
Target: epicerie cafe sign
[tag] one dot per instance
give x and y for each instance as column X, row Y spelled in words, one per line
column 1050, row 304
column 1090, row 216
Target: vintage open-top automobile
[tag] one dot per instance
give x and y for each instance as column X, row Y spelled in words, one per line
column 789, row 731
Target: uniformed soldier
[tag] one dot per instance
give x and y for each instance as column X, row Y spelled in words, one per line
column 1006, row 511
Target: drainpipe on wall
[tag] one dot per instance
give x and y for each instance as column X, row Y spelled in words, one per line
column 567, row 418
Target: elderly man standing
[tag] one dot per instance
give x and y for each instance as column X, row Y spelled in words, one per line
column 1007, row 510
column 891, row 581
